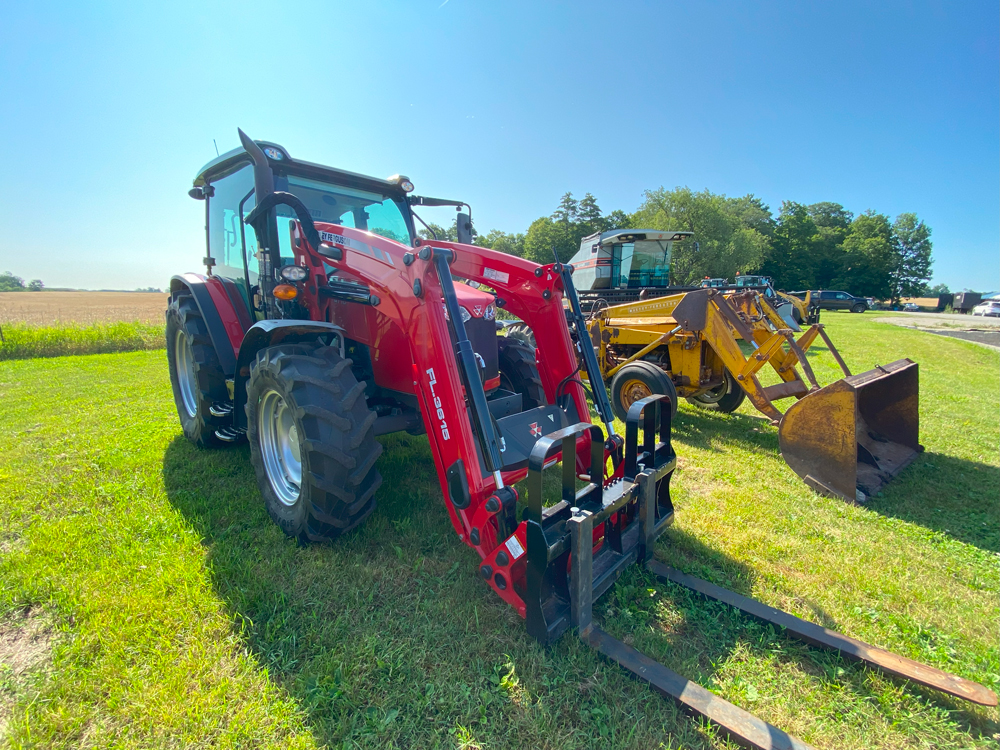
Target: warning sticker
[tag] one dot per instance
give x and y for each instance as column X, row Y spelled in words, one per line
column 514, row 547
column 500, row 276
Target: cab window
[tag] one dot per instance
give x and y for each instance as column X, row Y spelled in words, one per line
column 336, row 204
column 230, row 241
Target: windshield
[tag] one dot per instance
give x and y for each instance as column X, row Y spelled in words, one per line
column 650, row 264
column 350, row 207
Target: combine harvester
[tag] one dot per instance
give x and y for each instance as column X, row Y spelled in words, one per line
column 324, row 322
column 845, row 440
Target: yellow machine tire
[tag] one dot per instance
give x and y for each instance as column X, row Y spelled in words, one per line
column 637, row 380
column 729, row 401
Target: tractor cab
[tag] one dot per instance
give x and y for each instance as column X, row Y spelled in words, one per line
column 748, row 281
column 625, row 259
column 708, row 283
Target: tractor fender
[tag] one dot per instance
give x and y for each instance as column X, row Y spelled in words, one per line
column 223, row 309
column 271, row 333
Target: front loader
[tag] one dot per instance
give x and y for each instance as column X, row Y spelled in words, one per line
column 324, row 322
column 845, row 440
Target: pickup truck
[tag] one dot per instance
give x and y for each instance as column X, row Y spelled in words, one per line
column 829, row 300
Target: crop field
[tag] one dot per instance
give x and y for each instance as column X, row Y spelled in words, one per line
column 81, row 308
column 53, row 324
column 147, row 601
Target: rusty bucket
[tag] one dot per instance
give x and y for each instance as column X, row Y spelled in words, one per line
column 853, row 436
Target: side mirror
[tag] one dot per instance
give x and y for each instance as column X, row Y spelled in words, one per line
column 464, row 225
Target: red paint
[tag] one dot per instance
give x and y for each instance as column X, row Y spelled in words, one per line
column 227, row 313
column 411, row 350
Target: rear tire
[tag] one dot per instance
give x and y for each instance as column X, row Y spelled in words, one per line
column 196, row 377
column 312, row 442
column 519, row 372
column 522, row 334
column 638, row 380
column 725, row 398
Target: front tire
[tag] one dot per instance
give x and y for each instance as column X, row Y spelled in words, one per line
column 725, row 398
column 519, row 372
column 638, row 380
column 312, row 442
column 858, row 308
column 196, row 376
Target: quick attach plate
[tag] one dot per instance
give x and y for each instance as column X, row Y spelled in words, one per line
column 628, row 515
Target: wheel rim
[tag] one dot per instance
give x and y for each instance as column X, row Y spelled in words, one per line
column 187, row 381
column 279, row 446
column 632, row 391
column 713, row 395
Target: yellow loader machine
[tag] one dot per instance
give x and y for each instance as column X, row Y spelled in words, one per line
column 845, row 440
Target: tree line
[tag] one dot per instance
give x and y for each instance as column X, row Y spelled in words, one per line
column 11, row 283
column 817, row 246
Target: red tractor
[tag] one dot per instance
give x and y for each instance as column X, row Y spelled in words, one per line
column 324, row 321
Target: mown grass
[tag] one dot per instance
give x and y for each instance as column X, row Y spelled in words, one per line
column 187, row 620
column 23, row 341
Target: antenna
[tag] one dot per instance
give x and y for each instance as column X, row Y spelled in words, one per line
column 216, row 147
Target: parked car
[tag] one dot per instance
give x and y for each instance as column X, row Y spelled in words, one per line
column 911, row 307
column 826, row 300
column 989, row 309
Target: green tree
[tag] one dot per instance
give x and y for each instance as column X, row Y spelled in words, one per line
column 11, row 283
column 544, row 235
column 728, row 231
column 504, row 242
column 590, row 213
column 568, row 210
column 938, row 289
column 616, row 219
column 35, row 285
column 869, row 257
column 912, row 267
column 791, row 260
column 833, row 224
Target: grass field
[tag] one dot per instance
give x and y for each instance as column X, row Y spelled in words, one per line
column 153, row 603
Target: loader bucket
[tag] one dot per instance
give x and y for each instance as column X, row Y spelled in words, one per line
column 853, row 436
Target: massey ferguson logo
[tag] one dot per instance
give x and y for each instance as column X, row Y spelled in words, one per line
column 536, row 431
column 442, row 424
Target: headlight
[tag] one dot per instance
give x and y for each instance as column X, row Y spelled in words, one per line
column 403, row 182
column 293, row 273
column 491, row 311
column 466, row 315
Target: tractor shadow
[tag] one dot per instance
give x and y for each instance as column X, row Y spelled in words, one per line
column 388, row 637
column 952, row 496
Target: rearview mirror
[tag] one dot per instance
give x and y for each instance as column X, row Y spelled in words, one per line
column 464, row 226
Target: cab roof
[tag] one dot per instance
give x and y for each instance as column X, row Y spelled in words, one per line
column 618, row 236
column 278, row 156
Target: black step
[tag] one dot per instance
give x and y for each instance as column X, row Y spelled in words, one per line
column 230, row 434
column 221, row 409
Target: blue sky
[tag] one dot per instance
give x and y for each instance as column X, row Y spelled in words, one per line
column 109, row 110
